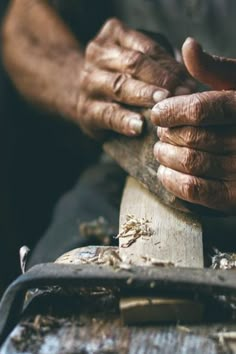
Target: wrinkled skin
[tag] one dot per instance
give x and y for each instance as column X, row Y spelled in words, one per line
column 100, row 88
column 103, row 88
column 197, row 147
column 125, row 68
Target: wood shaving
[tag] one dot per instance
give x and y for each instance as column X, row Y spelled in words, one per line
column 24, row 253
column 105, row 257
column 157, row 262
column 224, row 336
column 33, row 331
column 183, row 329
column 135, row 228
column 223, row 260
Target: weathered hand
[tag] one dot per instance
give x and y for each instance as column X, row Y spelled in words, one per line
column 197, row 147
column 124, row 69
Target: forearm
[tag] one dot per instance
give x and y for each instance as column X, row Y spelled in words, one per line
column 42, row 57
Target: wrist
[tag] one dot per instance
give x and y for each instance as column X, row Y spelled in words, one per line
column 68, row 84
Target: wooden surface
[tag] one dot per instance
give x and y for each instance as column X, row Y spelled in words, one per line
column 96, row 335
column 176, row 238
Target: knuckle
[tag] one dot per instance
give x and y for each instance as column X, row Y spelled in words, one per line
column 189, row 136
column 144, row 93
column 150, row 48
column 191, row 189
column 111, row 24
column 133, row 62
column 188, row 160
column 90, row 49
column 200, row 138
column 124, row 123
column 192, row 161
column 166, row 112
column 172, row 73
column 118, row 83
column 84, row 78
column 198, row 109
column 192, row 137
column 81, row 107
column 109, row 114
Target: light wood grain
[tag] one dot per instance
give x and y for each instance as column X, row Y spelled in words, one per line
column 176, row 238
column 106, row 334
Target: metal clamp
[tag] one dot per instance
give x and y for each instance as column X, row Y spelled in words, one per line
column 136, row 280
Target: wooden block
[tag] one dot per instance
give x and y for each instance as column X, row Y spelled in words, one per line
column 176, row 240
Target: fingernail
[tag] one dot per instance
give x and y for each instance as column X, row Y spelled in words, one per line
column 156, row 150
column 188, row 40
column 160, row 95
column 161, row 172
column 182, row 90
column 158, row 106
column 160, row 132
column 160, row 150
column 136, row 126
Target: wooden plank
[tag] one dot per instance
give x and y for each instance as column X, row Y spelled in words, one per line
column 175, row 239
column 99, row 334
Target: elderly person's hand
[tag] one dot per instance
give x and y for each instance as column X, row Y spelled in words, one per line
column 123, row 70
column 197, row 147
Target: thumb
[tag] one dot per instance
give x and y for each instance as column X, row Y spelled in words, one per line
column 217, row 72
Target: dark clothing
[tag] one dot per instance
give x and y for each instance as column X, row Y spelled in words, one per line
column 97, row 194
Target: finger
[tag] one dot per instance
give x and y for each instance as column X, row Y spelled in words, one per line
column 122, row 88
column 199, row 109
column 195, row 162
column 213, row 194
column 122, row 35
column 164, row 72
column 220, row 140
column 218, row 72
column 98, row 115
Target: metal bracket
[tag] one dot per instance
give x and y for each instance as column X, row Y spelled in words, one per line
column 136, row 280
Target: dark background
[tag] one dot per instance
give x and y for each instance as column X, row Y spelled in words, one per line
column 41, row 157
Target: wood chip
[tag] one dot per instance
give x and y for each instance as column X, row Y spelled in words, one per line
column 223, row 260
column 135, row 228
